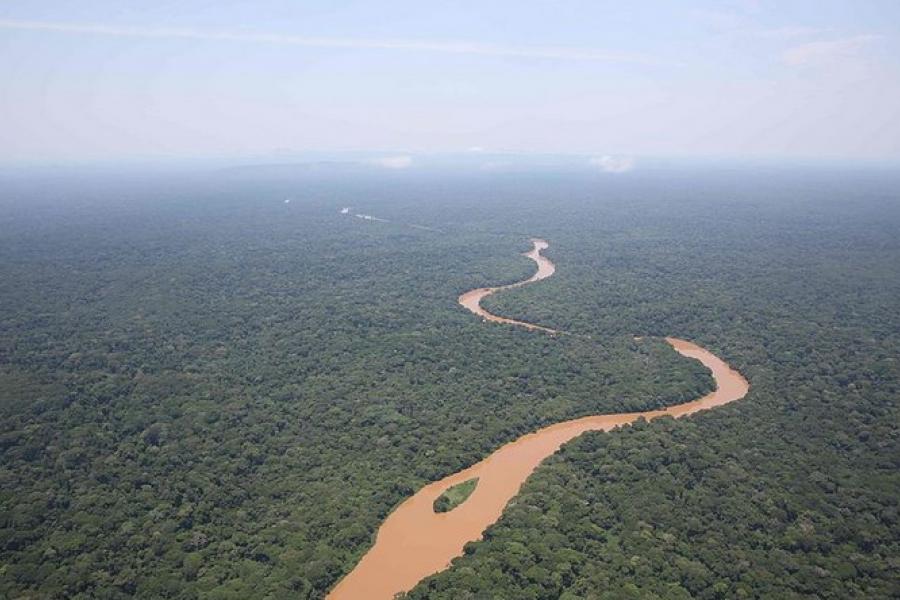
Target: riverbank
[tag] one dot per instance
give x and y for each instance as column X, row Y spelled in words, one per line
column 415, row 542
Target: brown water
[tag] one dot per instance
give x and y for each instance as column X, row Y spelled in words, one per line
column 415, row 542
column 472, row 299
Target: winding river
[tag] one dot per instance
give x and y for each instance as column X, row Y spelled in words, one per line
column 415, row 542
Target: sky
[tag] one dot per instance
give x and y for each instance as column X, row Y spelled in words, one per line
column 613, row 81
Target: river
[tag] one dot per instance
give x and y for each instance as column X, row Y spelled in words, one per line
column 415, row 542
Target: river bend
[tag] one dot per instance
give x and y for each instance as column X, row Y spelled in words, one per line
column 415, row 542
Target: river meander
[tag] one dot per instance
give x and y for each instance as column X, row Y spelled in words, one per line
column 415, row 542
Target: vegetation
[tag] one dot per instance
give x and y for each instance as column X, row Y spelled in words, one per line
column 790, row 493
column 206, row 392
column 455, row 495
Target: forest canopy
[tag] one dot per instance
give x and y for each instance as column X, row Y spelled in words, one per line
column 207, row 392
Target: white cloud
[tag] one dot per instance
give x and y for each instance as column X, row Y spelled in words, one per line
column 391, row 162
column 789, row 33
column 450, row 47
column 613, row 164
column 825, row 51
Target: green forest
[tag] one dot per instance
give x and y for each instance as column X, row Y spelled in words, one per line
column 455, row 495
column 207, row 392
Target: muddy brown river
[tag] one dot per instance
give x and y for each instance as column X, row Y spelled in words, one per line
column 472, row 299
column 415, row 542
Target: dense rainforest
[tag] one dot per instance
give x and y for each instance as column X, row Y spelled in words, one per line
column 209, row 392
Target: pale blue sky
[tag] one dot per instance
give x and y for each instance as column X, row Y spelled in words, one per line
column 781, row 79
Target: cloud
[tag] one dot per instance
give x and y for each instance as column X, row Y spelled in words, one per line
column 825, row 51
column 789, row 33
column 613, row 164
column 449, row 47
column 391, row 162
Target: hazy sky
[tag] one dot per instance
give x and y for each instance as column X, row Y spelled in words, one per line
column 755, row 79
